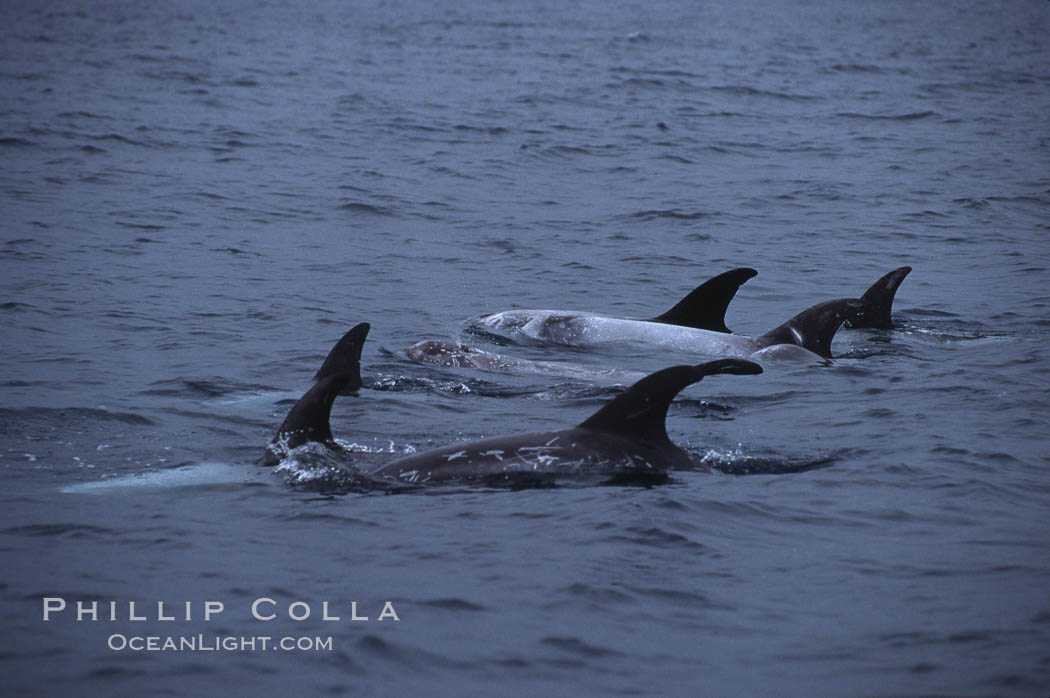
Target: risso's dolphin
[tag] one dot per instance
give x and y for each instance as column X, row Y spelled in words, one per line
column 627, row 435
column 704, row 308
column 812, row 329
column 458, row 355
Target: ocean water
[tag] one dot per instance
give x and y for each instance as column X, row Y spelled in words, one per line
column 200, row 198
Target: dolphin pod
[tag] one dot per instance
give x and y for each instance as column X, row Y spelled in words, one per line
column 628, row 434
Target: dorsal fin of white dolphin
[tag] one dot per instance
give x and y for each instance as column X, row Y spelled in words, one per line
column 814, row 327
column 705, row 306
column 628, row 433
column 878, row 302
column 345, row 357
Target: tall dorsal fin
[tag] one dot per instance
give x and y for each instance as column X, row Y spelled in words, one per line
column 705, row 306
column 640, row 411
column 878, row 302
column 814, row 327
column 308, row 419
column 345, row 357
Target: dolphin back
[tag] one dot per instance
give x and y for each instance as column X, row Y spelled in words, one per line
column 705, row 306
column 815, row 327
column 640, row 412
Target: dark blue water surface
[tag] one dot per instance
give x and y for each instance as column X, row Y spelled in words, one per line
column 199, row 198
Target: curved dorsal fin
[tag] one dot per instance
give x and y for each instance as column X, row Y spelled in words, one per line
column 345, row 357
column 308, row 419
column 878, row 302
column 705, row 306
column 640, row 411
column 814, row 327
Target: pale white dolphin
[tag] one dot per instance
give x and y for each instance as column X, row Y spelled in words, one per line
column 812, row 329
column 702, row 308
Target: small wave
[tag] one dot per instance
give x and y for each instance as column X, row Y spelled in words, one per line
column 566, row 151
column 673, row 213
column 656, row 537
column 141, row 226
column 205, row 387
column 56, row 414
column 922, row 215
column 367, row 209
column 488, row 130
column 233, row 250
column 912, row 116
column 79, row 115
column 670, row 73
column 746, row 91
column 451, row 604
column 116, row 137
column 177, row 76
column 16, row 307
column 574, row 645
column 638, row 82
column 858, row 68
column 71, row 530
column 1021, row 199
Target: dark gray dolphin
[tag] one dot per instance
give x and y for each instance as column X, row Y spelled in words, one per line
column 878, row 302
column 628, row 434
